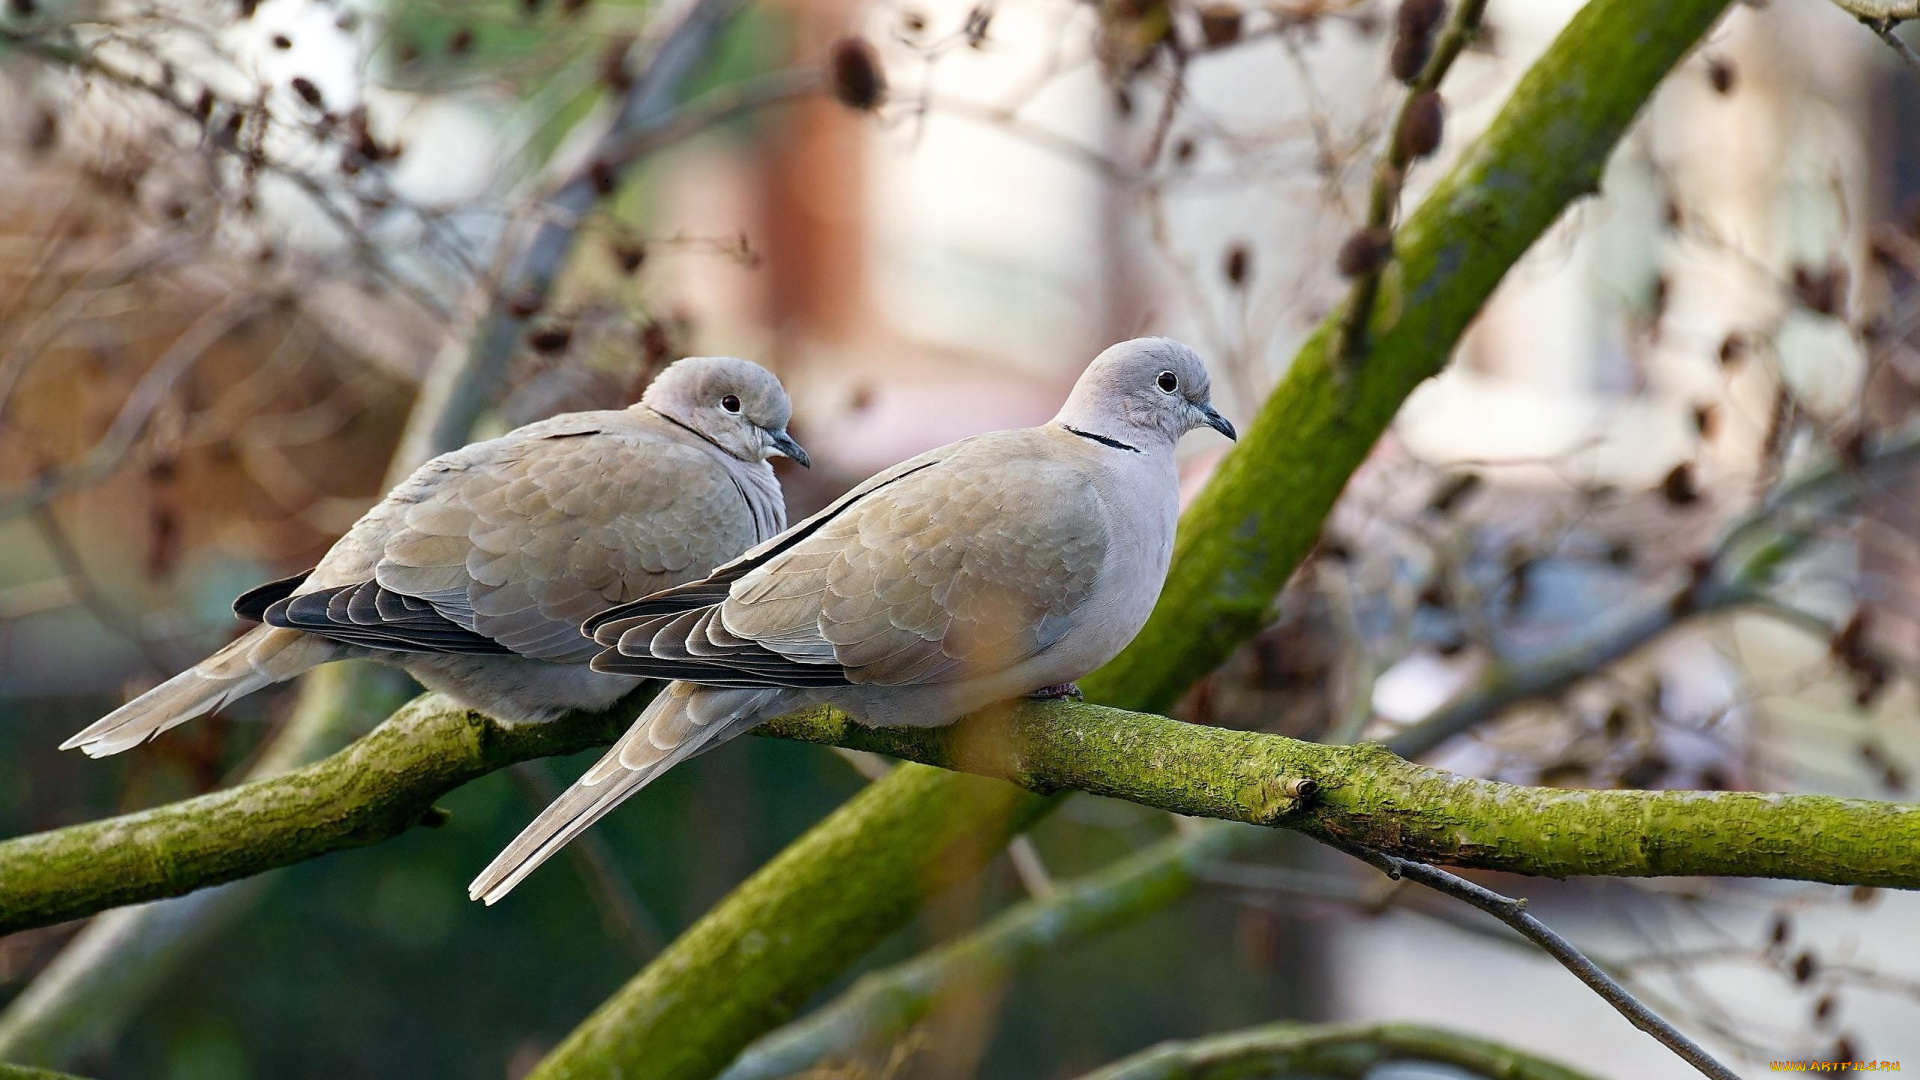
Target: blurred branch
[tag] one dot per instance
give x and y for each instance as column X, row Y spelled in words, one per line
column 141, row 404
column 625, row 917
column 882, row 1005
column 1734, row 574
column 1391, row 174
column 1349, row 1051
column 1514, row 913
column 21, row 1072
column 701, row 1001
column 1351, row 797
column 464, row 383
column 1884, row 28
column 64, row 53
column 107, row 972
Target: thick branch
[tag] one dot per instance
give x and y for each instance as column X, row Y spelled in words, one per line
column 1354, row 797
column 882, row 1005
column 1342, row 1050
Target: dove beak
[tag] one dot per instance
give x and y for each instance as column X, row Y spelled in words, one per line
column 783, row 443
column 1217, row 422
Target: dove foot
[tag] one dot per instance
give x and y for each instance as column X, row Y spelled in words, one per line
column 1070, row 691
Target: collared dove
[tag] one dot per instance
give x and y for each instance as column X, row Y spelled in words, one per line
column 1004, row 564
column 475, row 573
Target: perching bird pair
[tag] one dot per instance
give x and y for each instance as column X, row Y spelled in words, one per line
column 543, row 571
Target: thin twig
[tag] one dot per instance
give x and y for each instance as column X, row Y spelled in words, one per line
column 138, row 410
column 625, row 915
column 1742, row 563
column 1884, row 28
column 1514, row 913
column 1391, row 174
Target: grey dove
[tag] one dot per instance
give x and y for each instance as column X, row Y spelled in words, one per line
column 1004, row 564
column 475, row 573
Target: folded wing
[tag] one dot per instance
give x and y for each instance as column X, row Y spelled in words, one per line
column 507, row 547
column 939, row 570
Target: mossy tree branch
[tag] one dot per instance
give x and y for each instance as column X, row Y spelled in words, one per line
column 1357, row 798
column 1238, row 543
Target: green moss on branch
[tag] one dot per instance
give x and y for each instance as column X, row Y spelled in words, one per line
column 1365, row 798
column 376, row 788
column 1368, row 798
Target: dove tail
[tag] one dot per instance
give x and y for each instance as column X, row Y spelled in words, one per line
column 260, row 657
column 682, row 721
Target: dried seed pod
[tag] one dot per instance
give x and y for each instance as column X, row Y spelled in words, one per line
column 1363, row 252
column 1805, row 967
column 1237, row 265
column 1720, row 74
column 613, row 64
column 855, row 74
column 1421, row 125
column 43, row 132
column 550, row 339
column 656, row 345
column 525, row 305
column 1413, row 37
column 1220, row 24
column 628, row 255
column 308, row 92
column 1454, row 492
column 1706, row 420
column 602, row 176
column 1679, row 487
column 1824, row 291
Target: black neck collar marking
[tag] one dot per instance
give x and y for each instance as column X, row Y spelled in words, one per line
column 696, row 432
column 1102, row 439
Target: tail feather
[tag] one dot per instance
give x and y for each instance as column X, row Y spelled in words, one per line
column 682, row 721
column 258, row 658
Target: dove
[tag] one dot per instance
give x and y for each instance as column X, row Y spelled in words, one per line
column 475, row 573
column 1006, row 564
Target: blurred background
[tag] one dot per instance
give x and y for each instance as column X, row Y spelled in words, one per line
column 238, row 238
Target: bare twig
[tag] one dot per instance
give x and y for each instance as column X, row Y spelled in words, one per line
column 148, row 394
column 1884, row 28
column 458, row 391
column 1514, row 913
column 626, row 918
column 1343, row 1050
column 1744, row 561
column 1391, row 174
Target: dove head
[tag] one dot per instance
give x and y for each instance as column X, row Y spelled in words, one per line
column 735, row 404
column 1148, row 390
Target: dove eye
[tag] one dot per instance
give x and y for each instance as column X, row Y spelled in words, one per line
column 730, row 403
column 1168, row 382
